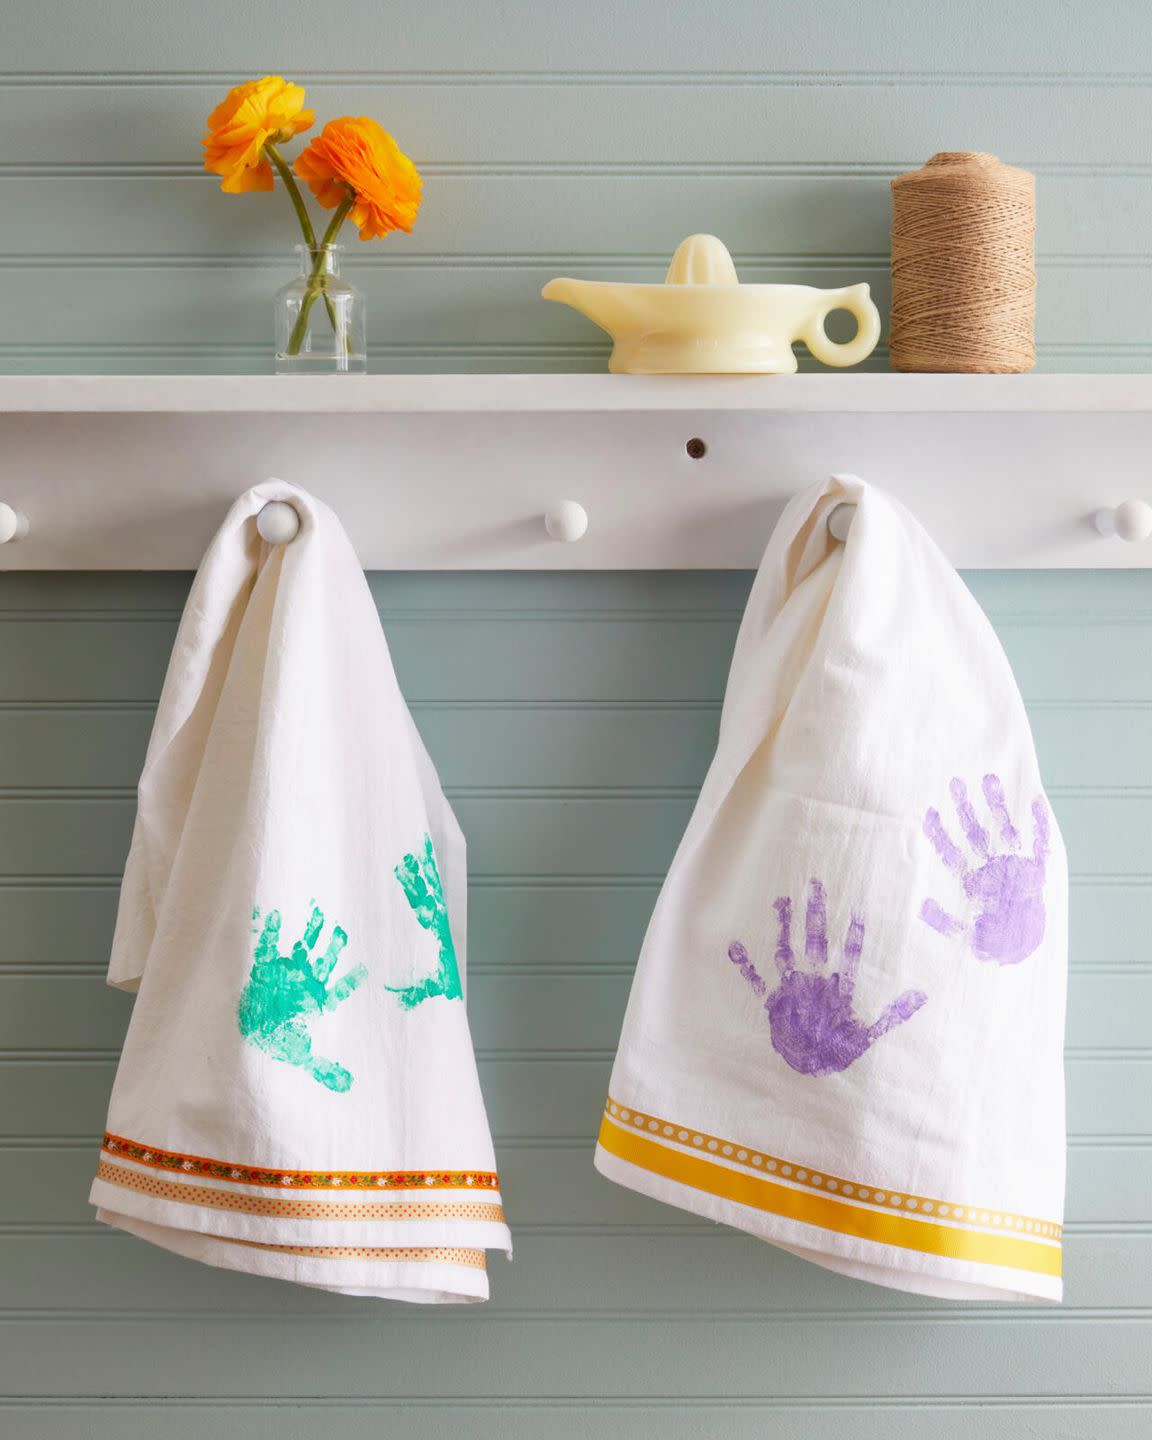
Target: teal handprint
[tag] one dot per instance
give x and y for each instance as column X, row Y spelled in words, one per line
column 284, row 992
column 420, row 881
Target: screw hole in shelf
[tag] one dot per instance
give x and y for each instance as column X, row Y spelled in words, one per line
column 696, row 448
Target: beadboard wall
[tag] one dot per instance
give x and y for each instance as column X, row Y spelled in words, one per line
column 554, row 139
column 571, row 716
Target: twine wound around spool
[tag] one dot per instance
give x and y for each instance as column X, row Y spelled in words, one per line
column 963, row 266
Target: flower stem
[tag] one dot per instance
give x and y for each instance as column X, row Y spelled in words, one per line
column 339, row 215
column 284, row 170
column 294, row 195
column 315, row 282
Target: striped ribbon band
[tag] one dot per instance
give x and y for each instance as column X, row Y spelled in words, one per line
column 734, row 1172
column 300, row 1206
column 204, row 1167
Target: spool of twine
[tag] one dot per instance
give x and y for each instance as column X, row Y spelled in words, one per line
column 963, row 266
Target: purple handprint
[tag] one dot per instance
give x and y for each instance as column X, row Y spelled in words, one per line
column 1007, row 890
column 810, row 1013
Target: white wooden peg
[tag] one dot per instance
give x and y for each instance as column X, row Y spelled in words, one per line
column 1131, row 520
column 567, row 521
column 13, row 525
column 278, row 523
column 840, row 520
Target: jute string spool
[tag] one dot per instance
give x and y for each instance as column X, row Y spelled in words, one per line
column 963, row 266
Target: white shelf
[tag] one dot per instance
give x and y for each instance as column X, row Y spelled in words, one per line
column 456, row 472
column 475, row 394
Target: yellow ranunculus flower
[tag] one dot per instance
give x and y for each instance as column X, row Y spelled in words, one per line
column 244, row 122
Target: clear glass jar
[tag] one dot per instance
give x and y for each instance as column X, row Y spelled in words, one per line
column 320, row 319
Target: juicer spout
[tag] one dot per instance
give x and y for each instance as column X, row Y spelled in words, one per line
column 604, row 304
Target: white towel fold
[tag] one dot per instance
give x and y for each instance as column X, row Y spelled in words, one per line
column 845, row 1033
column 297, row 1095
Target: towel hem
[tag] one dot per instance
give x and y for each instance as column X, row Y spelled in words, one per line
column 419, row 1282
column 896, row 1268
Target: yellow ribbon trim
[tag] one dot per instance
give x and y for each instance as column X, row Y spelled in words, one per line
column 1010, row 1251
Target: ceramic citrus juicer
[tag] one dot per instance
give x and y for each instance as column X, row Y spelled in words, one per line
column 702, row 321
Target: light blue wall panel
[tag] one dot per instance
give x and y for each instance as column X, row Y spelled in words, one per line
column 571, row 718
column 619, row 1317
column 551, row 144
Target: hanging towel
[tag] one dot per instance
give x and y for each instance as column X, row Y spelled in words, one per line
column 845, row 1032
column 297, row 1094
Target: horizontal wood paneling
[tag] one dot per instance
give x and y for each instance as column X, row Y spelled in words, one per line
column 633, row 1274
column 475, row 357
column 576, row 719
column 530, row 169
column 618, row 837
column 554, row 1185
column 574, row 1420
column 50, row 1095
column 399, row 1355
column 554, row 658
column 615, row 836
column 543, row 925
column 572, row 719
column 1056, row 596
column 605, row 747
column 830, row 223
column 824, row 121
column 448, row 306
column 521, row 1011
column 444, row 36
column 1020, row 45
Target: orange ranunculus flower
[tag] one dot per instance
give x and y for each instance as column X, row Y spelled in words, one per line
column 360, row 155
column 244, row 122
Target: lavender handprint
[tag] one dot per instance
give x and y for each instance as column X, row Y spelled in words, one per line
column 810, row 1015
column 1006, row 889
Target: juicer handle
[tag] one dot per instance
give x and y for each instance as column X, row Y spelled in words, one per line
column 857, row 301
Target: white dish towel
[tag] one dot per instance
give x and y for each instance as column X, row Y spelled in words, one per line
column 297, row 1095
column 845, row 1033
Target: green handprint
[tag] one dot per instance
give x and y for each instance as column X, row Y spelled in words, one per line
column 283, row 990
column 420, row 881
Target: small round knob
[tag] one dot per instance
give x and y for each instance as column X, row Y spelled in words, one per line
column 13, row 525
column 278, row 523
column 840, row 520
column 1131, row 520
column 567, row 521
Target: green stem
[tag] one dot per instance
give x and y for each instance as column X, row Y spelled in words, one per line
column 285, row 173
column 339, row 215
column 284, row 170
column 315, row 283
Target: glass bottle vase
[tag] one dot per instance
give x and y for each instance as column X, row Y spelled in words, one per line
column 320, row 317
